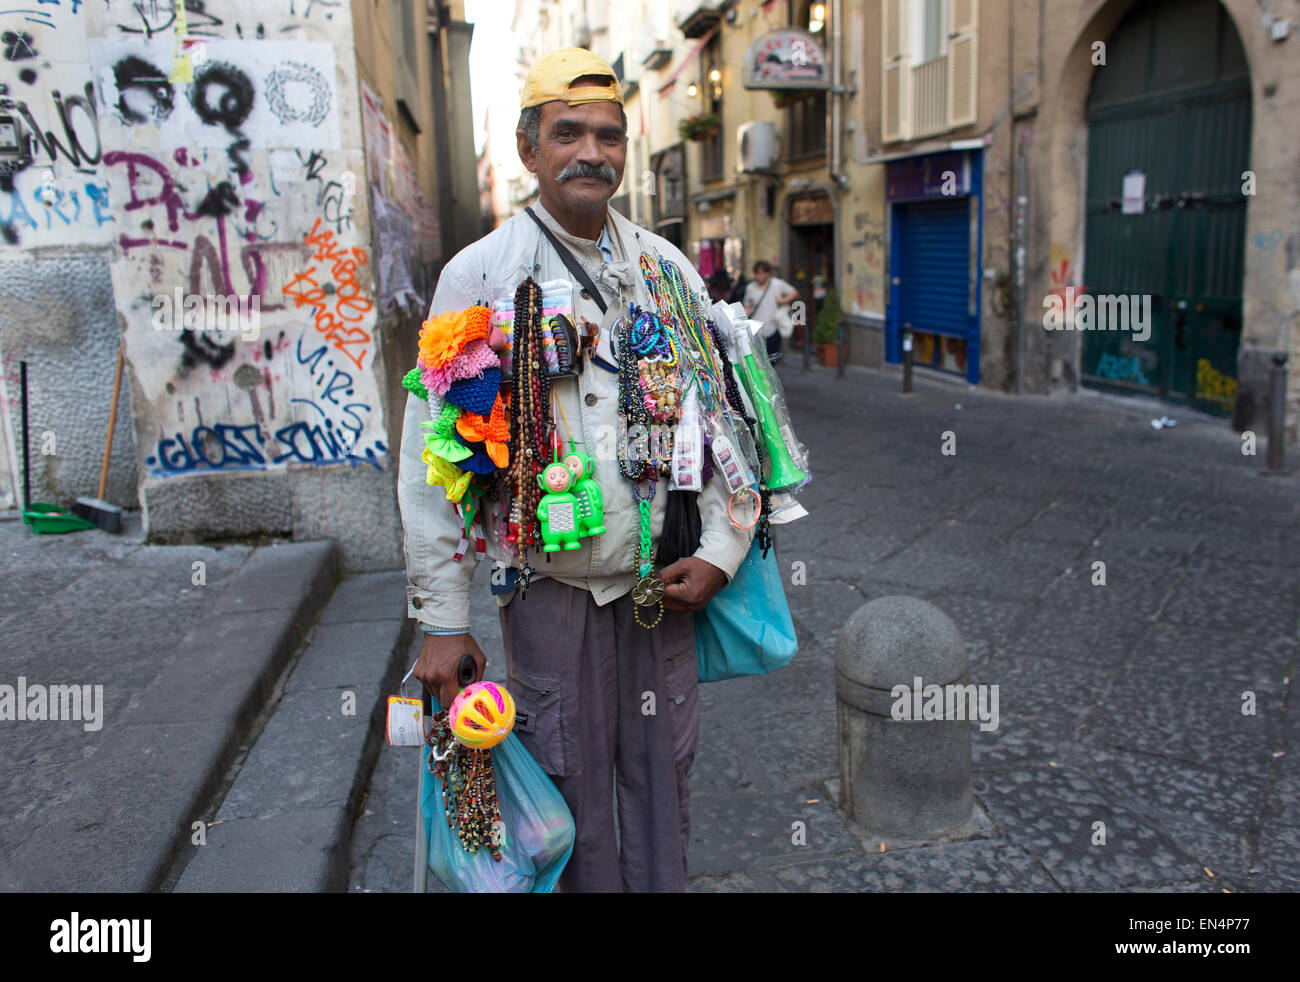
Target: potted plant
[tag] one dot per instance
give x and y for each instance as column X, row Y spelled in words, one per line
column 826, row 332
column 699, row 127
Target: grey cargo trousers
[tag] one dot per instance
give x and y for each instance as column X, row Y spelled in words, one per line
column 596, row 694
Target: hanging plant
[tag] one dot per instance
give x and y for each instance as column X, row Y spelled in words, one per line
column 788, row 97
column 699, row 127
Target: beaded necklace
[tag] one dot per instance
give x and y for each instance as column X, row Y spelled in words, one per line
column 704, row 368
column 649, row 397
column 469, row 789
column 530, row 423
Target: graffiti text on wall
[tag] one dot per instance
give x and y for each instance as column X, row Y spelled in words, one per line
column 335, row 311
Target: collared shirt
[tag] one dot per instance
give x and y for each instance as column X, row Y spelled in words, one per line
column 494, row 266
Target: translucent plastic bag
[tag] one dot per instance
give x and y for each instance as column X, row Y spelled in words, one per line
column 746, row 628
column 785, row 464
column 538, row 834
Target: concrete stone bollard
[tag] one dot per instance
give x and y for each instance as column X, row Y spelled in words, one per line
column 901, row 776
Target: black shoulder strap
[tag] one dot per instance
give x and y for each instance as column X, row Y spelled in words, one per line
column 570, row 262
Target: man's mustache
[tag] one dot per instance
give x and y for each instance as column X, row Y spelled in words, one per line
column 604, row 172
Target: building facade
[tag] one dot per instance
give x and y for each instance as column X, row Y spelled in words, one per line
column 1103, row 152
column 1043, row 195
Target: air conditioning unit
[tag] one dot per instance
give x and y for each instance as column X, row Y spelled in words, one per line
column 759, row 150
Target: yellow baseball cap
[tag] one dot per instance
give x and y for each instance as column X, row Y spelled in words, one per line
column 552, row 76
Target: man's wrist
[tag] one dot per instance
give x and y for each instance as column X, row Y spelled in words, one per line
column 433, row 629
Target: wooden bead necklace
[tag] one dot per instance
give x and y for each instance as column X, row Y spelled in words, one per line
column 530, row 423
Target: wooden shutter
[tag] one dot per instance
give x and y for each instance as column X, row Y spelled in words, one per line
column 962, row 40
column 894, row 123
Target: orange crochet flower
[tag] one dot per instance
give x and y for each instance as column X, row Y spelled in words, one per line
column 476, row 324
column 445, row 336
column 493, row 432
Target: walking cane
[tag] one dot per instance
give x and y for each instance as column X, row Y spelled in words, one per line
column 421, row 878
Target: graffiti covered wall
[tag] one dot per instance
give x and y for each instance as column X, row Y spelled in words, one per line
column 56, row 297
column 229, row 166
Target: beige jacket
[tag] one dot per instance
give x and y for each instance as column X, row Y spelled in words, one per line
column 437, row 586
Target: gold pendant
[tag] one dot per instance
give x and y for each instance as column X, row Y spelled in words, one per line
column 649, row 590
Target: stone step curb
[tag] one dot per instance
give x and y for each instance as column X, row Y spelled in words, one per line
column 285, row 825
column 169, row 754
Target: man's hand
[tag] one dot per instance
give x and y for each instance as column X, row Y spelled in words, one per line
column 690, row 583
column 440, row 657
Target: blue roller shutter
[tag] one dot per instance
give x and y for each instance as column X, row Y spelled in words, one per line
column 934, row 266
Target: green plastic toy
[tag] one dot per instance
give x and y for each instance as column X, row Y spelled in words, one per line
column 591, row 506
column 558, row 509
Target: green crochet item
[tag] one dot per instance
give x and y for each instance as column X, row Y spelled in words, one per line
column 442, row 440
column 411, row 382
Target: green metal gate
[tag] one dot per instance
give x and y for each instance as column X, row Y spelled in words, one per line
column 1171, row 110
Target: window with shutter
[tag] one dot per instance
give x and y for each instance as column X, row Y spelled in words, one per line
column 929, row 72
column 961, row 63
column 893, row 124
column 928, row 67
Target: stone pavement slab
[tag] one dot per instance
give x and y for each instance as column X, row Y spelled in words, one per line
column 291, row 804
column 186, row 654
column 1052, row 814
column 1197, row 721
column 766, row 826
column 964, row 867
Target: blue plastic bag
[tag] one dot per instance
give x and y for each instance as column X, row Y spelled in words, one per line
column 538, row 834
column 746, row 628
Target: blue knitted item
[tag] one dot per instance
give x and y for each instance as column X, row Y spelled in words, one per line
column 477, row 394
column 480, row 463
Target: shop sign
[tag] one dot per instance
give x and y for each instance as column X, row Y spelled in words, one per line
column 785, row 59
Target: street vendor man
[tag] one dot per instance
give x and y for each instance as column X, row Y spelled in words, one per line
column 600, row 651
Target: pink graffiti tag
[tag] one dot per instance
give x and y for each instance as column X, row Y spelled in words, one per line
column 169, row 195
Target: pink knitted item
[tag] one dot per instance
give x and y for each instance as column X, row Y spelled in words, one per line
column 476, row 357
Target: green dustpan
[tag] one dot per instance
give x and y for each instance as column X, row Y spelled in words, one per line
column 43, row 517
column 46, row 518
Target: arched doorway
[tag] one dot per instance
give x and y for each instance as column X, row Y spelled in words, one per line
column 1169, row 117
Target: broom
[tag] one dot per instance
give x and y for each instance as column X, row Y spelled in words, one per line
column 97, row 510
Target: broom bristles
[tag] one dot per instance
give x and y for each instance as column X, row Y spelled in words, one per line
column 101, row 513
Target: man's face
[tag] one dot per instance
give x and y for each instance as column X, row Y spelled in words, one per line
column 762, row 276
column 575, row 144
